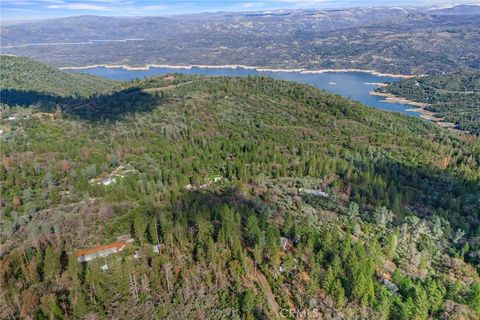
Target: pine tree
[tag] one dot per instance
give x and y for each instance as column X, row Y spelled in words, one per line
column 422, row 303
column 50, row 308
column 248, row 304
column 252, row 230
column 80, row 307
column 359, row 289
column 51, row 263
column 329, row 279
column 139, row 226
column 338, row 292
column 474, row 297
column 436, row 294
column 391, row 245
column 384, row 303
column 74, row 269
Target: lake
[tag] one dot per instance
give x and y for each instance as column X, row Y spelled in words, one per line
column 354, row 85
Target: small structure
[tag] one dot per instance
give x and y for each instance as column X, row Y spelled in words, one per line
column 313, row 192
column 84, row 255
column 113, row 177
column 109, row 181
column 137, row 254
column 391, row 286
column 215, row 179
column 285, row 244
column 157, row 248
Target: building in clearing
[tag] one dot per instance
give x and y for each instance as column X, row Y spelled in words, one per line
column 313, row 192
column 84, row 255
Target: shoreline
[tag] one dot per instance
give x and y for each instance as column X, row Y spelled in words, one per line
column 419, row 108
column 237, row 66
column 399, row 100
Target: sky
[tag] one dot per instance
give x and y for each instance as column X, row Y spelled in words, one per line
column 41, row 9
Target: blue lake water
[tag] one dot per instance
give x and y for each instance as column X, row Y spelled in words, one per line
column 354, row 85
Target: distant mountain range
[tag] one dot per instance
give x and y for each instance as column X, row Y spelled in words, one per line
column 462, row 9
column 389, row 39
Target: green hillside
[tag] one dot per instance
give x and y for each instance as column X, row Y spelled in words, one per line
column 24, row 74
column 454, row 97
column 265, row 196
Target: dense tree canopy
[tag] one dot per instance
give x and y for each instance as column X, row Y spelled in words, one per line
column 223, row 173
column 24, row 74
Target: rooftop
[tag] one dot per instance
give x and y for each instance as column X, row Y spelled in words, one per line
column 118, row 245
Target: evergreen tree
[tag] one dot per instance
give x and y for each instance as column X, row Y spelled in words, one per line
column 51, row 263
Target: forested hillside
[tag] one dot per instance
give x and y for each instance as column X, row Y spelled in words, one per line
column 453, row 97
column 244, row 197
column 23, row 74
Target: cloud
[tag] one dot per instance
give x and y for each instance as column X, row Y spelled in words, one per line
column 18, row 9
column 78, row 6
column 303, row 1
column 32, row 2
column 155, row 8
column 251, row 4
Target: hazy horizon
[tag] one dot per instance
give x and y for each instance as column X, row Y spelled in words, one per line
column 23, row 11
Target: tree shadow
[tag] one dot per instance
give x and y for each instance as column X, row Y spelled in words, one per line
column 96, row 108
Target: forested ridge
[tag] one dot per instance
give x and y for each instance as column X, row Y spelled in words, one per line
column 264, row 195
column 453, row 97
column 26, row 75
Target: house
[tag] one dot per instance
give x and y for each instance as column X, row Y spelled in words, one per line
column 84, row 255
column 313, row 192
